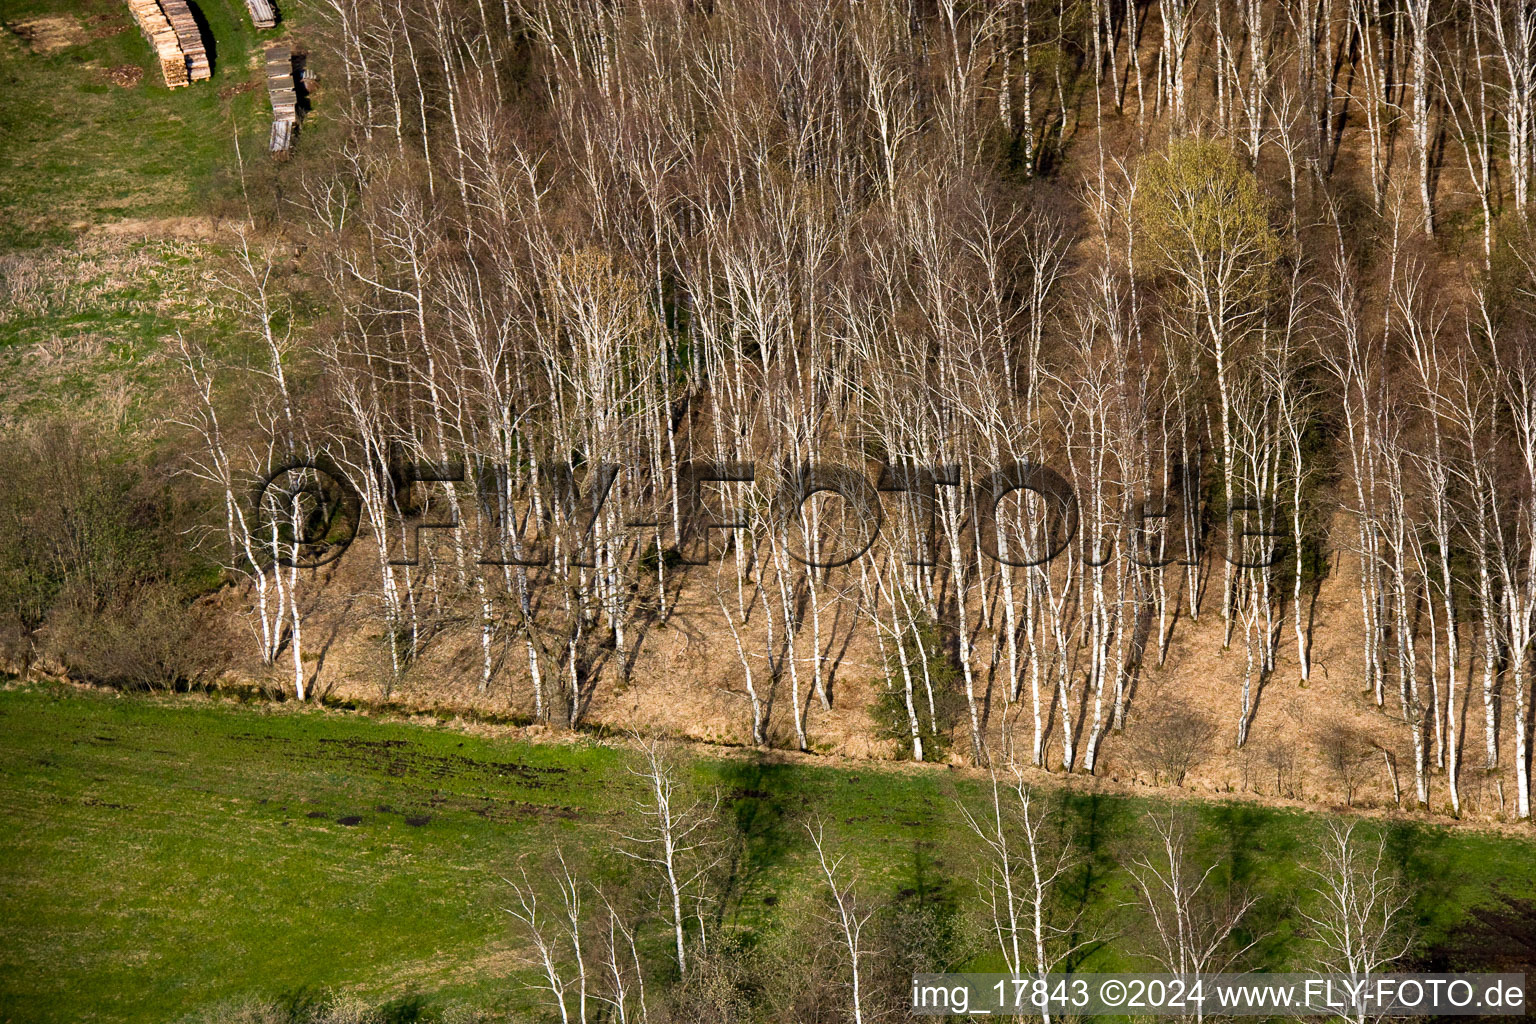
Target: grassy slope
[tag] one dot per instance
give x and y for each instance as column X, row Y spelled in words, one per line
column 91, row 329
column 86, row 306
column 157, row 855
column 160, row 857
column 79, row 150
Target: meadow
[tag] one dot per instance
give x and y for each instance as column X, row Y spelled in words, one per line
column 92, row 134
column 162, row 854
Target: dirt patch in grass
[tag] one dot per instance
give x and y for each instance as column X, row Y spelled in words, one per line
column 103, row 26
column 236, row 90
column 51, row 34
column 125, row 76
column 398, row 758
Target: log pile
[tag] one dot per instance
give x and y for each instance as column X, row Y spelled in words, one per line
column 163, row 39
column 282, row 138
column 285, row 99
column 185, row 26
column 263, row 14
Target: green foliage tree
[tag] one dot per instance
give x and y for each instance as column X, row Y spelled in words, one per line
column 1203, row 221
column 1202, row 212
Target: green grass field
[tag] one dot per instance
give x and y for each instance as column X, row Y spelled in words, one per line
column 161, row 854
column 96, row 269
column 80, row 150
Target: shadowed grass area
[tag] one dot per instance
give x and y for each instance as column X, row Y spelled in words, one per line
column 160, row 854
column 80, row 149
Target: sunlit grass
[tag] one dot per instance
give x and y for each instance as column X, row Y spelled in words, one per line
column 160, row 854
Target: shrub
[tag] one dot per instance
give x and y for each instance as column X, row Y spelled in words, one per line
column 93, row 546
column 343, row 1009
column 307, row 1006
column 247, row 1011
column 716, row 988
column 1346, row 754
column 1174, row 738
column 152, row 640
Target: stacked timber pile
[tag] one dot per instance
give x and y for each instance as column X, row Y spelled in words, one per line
column 263, row 14
column 185, row 26
column 163, row 39
column 282, row 138
column 285, row 99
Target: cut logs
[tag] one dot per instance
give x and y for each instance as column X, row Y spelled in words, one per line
column 190, row 37
column 263, row 14
column 285, row 99
column 174, row 36
column 282, row 138
column 162, row 38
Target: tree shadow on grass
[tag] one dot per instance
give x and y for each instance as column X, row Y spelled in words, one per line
column 1097, row 828
column 1256, row 841
column 756, row 798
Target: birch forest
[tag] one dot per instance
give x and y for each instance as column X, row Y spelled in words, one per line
column 1117, row 387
